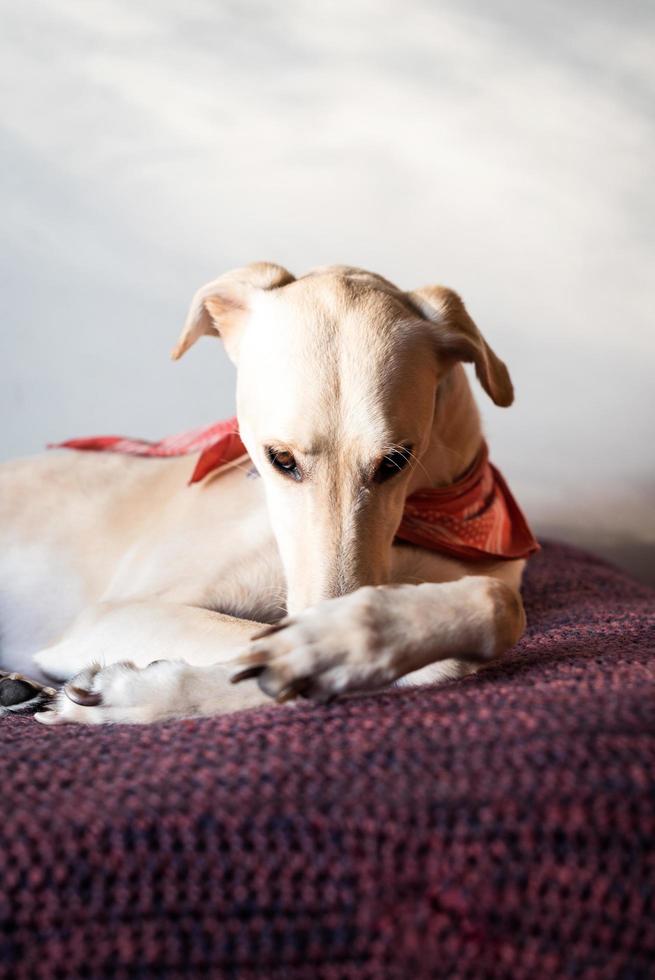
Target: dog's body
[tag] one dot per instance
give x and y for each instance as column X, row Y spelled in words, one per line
column 106, row 559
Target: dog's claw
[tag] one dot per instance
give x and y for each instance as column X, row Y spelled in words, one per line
column 88, row 699
column 269, row 630
column 247, row 673
column 288, row 693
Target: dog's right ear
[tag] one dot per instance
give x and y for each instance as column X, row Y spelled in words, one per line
column 220, row 307
column 457, row 338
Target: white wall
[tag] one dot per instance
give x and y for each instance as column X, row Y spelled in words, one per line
column 504, row 149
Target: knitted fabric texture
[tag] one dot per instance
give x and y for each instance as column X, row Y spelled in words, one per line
column 500, row 826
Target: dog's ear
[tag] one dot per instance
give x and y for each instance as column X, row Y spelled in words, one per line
column 221, row 306
column 459, row 339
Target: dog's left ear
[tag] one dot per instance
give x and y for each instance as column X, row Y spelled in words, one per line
column 459, row 339
column 221, row 307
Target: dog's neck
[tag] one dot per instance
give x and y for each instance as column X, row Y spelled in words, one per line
column 456, row 434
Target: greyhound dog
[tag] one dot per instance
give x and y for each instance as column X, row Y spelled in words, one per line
column 150, row 597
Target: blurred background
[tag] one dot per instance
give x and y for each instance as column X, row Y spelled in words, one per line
column 504, row 149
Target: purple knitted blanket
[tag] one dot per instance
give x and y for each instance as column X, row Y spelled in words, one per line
column 498, row 826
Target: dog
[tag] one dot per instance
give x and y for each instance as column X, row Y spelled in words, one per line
column 152, row 599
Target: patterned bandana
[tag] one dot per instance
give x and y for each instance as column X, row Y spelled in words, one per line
column 474, row 519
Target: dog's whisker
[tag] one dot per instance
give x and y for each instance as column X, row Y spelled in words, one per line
column 408, row 453
column 419, row 464
column 456, row 456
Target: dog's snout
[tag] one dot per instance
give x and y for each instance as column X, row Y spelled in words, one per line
column 329, row 580
column 343, row 539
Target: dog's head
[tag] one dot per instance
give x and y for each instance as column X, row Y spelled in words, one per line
column 337, row 381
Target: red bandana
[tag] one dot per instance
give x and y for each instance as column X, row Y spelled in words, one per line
column 475, row 519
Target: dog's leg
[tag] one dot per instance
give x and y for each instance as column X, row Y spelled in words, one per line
column 355, row 643
column 141, row 662
column 374, row 636
column 144, row 631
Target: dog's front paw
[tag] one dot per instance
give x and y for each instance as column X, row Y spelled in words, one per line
column 351, row 643
column 121, row 692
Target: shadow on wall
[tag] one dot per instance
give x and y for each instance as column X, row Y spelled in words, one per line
column 635, row 556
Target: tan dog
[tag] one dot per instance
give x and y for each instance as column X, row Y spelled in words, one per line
column 350, row 397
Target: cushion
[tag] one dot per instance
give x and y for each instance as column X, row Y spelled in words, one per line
column 502, row 825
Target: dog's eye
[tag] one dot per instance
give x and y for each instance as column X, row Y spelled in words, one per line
column 392, row 464
column 284, row 461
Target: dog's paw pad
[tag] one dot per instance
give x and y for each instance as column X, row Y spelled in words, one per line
column 22, row 696
column 14, row 691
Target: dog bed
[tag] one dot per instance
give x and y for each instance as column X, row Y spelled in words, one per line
column 498, row 826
